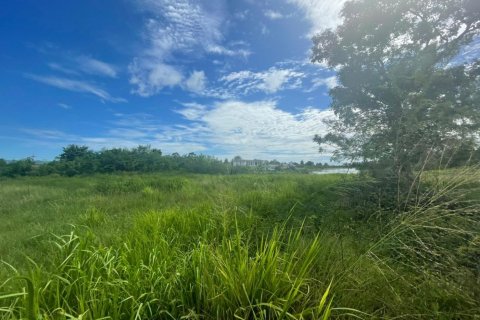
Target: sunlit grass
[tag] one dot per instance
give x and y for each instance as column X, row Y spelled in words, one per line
column 226, row 247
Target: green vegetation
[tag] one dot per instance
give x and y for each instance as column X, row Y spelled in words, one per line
column 406, row 95
column 401, row 240
column 246, row 246
column 80, row 160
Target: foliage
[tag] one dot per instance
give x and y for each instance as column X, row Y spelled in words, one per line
column 155, row 274
column 17, row 168
column 80, row 160
column 405, row 95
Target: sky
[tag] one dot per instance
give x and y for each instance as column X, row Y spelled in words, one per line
column 216, row 77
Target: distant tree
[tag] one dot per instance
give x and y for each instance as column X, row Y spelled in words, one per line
column 19, row 168
column 405, row 91
column 145, row 159
column 309, row 163
column 116, row 159
column 73, row 152
column 76, row 160
column 3, row 166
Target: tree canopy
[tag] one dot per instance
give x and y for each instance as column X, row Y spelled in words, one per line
column 407, row 92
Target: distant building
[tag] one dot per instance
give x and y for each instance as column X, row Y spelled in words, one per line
column 239, row 162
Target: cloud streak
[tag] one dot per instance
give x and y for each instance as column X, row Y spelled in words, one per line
column 75, row 86
column 96, row 67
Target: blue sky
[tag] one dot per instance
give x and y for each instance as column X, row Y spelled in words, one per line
column 218, row 77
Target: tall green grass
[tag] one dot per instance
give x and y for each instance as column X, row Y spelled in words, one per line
column 237, row 247
column 179, row 265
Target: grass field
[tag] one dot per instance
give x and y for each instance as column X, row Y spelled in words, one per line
column 273, row 246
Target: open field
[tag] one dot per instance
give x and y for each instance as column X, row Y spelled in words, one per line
column 222, row 247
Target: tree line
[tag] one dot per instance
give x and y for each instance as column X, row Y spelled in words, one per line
column 80, row 160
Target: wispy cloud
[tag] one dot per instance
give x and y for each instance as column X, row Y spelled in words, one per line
column 322, row 14
column 64, row 106
column 192, row 111
column 273, row 15
column 58, row 67
column 74, row 85
column 96, row 67
column 268, row 81
column 78, row 65
column 74, row 70
column 175, row 28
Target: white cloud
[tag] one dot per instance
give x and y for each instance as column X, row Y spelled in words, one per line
column 329, row 82
column 265, row 30
column 273, row 81
column 273, row 15
column 258, row 129
column 322, row 14
column 192, row 111
column 76, row 86
column 86, row 65
column 253, row 130
column 196, row 82
column 58, row 67
column 64, row 106
column 149, row 81
column 96, row 67
column 177, row 27
column 268, row 81
column 241, row 15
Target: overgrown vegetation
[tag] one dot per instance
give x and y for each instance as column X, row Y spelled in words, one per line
column 406, row 97
column 401, row 240
column 245, row 246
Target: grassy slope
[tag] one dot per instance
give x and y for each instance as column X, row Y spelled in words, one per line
column 215, row 246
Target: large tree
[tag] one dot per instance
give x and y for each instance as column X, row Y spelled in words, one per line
column 407, row 89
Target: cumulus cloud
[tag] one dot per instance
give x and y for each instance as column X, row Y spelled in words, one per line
column 75, row 85
column 321, row 14
column 268, row 81
column 196, row 82
column 329, row 82
column 151, row 80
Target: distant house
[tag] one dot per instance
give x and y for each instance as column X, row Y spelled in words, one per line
column 239, row 162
